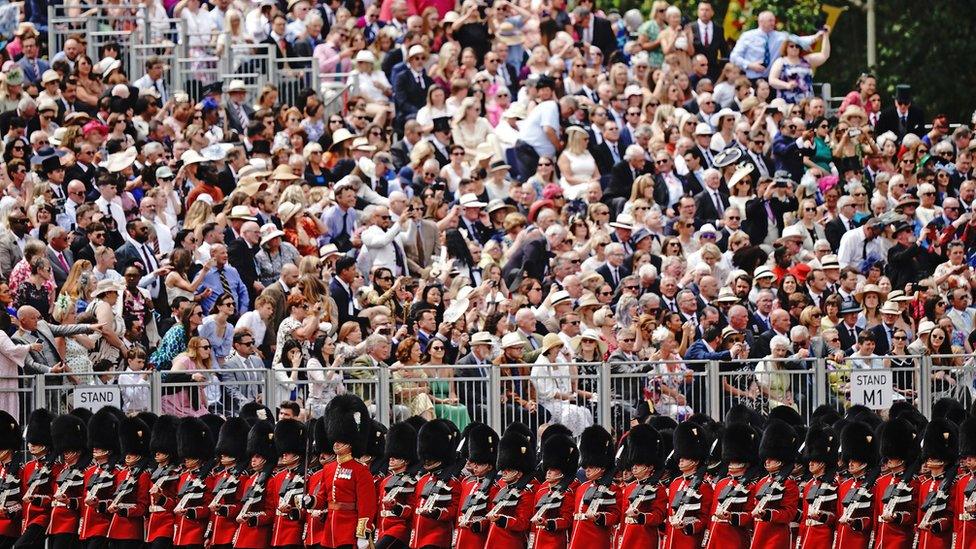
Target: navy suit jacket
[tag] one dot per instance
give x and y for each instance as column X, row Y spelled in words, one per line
column 342, row 299
column 698, row 351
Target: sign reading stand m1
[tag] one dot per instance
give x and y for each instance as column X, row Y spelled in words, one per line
column 95, row 397
column 872, row 388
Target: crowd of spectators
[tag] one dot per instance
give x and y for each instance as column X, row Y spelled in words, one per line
column 531, row 185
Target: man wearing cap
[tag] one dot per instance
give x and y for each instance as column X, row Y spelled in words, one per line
column 475, row 365
column 410, row 86
column 902, row 118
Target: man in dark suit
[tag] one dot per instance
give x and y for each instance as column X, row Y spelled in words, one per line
column 780, row 322
column 410, row 86
column 622, row 176
column 904, row 117
column 709, row 39
column 135, row 249
column 242, row 251
column 884, row 333
column 779, row 200
column 400, row 150
column 341, row 289
column 710, row 203
column 843, row 222
column 762, row 165
column 614, row 270
column 474, row 365
column 278, row 292
column 531, row 259
column 847, row 330
column 610, row 151
column 790, row 146
column 58, row 254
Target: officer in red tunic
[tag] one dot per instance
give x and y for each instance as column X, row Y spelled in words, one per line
column 555, row 497
column 373, row 455
column 36, row 482
column 777, row 495
column 896, row 491
column 936, row 512
column 259, row 502
column 397, row 492
column 103, row 439
column 964, row 491
column 129, row 505
column 195, row 487
column 477, row 490
column 690, row 496
column 347, row 485
column 163, row 478
column 313, row 509
column 69, row 435
column 859, row 449
column 645, row 498
column 733, row 500
column 597, row 502
column 229, row 474
column 819, row 493
column 438, row 490
column 11, row 442
column 512, row 507
column 291, row 441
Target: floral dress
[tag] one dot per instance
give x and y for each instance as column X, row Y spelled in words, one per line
column 802, row 74
column 173, row 343
column 37, row 297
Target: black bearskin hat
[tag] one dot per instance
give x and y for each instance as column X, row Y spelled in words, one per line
column 949, row 408
column 84, row 414
column 194, row 439
column 376, row 439
column 740, row 413
column 134, row 437
column 401, row 442
column 596, row 448
column 967, row 437
column 39, row 427
column 163, row 438
column 820, row 444
column 10, row 437
column 482, row 443
column 859, row 443
column 779, row 441
column 560, row 452
column 215, row 423
column 899, row 440
column 103, row 430
column 524, row 430
column 740, row 443
column 436, row 442
column 148, row 418
column 691, row 441
column 290, row 437
column 824, row 414
column 643, row 446
column 69, row 434
column 347, row 421
column 232, row 439
column 941, row 441
column 320, row 439
column 261, row 441
column 252, row 412
column 516, row 452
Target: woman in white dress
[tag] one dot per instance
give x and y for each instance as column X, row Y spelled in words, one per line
column 455, row 170
column 554, row 388
column 436, row 107
column 576, row 164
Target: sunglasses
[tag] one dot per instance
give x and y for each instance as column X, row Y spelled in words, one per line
column 204, row 347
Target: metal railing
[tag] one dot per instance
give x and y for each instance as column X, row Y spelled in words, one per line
column 607, row 393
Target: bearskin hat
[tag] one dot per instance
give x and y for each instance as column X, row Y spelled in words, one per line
column 10, row 437
column 967, row 437
column 560, row 452
column 515, row 452
column 779, row 441
column 899, row 440
column 643, row 446
column 194, row 439
column 103, row 430
column 261, row 441
column 232, row 439
column 134, row 437
column 596, row 448
column 740, row 443
column 39, row 427
column 859, row 443
column 482, row 443
column 436, row 442
column 941, row 441
column 949, row 408
column 320, row 438
column 69, row 434
column 252, row 412
column 820, row 444
column 691, row 441
column 347, row 421
column 290, row 437
column 401, row 442
column 376, row 439
column 163, row 439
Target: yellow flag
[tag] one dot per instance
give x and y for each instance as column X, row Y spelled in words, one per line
column 735, row 18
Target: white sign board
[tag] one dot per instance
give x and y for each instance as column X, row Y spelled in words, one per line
column 872, row 388
column 95, row 397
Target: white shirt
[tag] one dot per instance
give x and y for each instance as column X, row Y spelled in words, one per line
column 252, row 321
column 118, row 213
column 544, row 115
column 380, row 246
column 851, row 251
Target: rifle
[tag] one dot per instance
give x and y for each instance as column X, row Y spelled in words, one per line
column 105, row 478
column 510, row 496
column 68, row 479
column 937, row 501
column 127, row 486
column 897, row 493
column 291, row 492
column 772, row 491
column 825, row 492
column 688, row 500
column 160, row 476
column 10, row 486
column 599, row 494
column 227, row 486
column 254, row 496
column 434, row 492
column 970, row 492
column 39, row 477
column 859, row 498
column 732, row 494
column 478, row 499
column 193, row 489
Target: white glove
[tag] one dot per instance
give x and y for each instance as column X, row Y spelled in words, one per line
column 362, row 543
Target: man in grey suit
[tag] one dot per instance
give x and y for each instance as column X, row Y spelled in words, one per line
column 278, row 292
column 59, row 254
column 12, row 241
column 419, row 241
column 241, row 372
column 45, row 358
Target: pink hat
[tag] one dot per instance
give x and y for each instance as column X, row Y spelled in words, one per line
column 552, row 191
column 94, row 126
column 827, row 182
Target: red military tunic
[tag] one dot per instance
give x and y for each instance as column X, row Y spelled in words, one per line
column 965, row 526
column 773, row 525
column 434, row 526
column 287, row 527
column 856, row 534
column 819, row 515
column 397, row 514
column 939, row 533
column 227, row 504
column 645, row 507
column 191, row 523
column 100, row 485
column 350, row 496
column 689, row 537
column 899, row 533
column 161, row 520
column 595, row 533
column 128, row 522
column 11, row 505
column 66, row 512
column 473, row 534
column 514, row 511
column 314, row 514
column 734, row 532
column 553, row 532
column 254, row 531
column 37, row 507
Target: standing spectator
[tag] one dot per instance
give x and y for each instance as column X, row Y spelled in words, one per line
column 756, row 49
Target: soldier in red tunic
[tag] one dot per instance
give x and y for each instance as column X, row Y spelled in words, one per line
column 596, row 506
column 859, row 449
column 69, row 435
column 289, row 483
column 397, row 492
column 512, row 507
column 646, row 497
column 11, row 442
column 195, row 486
column 130, row 502
column 690, row 496
column 733, row 500
column 936, row 512
column 36, row 482
column 257, row 510
column 229, row 474
column 964, row 491
column 163, row 479
column 819, row 493
column 777, row 495
column 479, row 489
column 438, row 492
column 347, row 486
column 896, row 491
column 103, row 439
column 555, row 497
column 314, row 511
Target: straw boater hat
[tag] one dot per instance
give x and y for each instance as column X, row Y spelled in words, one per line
column 241, row 212
column 121, row 160
column 589, row 334
column 288, row 210
column 550, row 341
column 868, row 289
column 270, row 232
column 107, row 286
